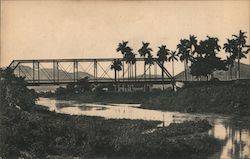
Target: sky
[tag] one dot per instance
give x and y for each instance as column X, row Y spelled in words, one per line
column 93, row 29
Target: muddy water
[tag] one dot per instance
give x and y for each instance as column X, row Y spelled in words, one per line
column 236, row 137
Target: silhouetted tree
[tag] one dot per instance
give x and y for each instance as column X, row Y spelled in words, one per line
column 128, row 56
column 231, row 48
column 162, row 54
column 237, row 48
column 207, row 62
column 122, row 47
column 173, row 57
column 14, row 92
column 149, row 61
column 184, row 52
column 116, row 66
column 83, row 85
column 145, row 51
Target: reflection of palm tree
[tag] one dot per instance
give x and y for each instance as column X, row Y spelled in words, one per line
column 146, row 51
column 162, row 54
column 116, row 66
column 172, row 58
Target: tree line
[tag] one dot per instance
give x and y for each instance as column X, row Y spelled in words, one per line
column 200, row 58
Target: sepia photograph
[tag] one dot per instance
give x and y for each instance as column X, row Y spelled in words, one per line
column 125, row 79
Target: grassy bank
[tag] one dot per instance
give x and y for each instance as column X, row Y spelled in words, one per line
column 231, row 98
column 223, row 99
column 40, row 133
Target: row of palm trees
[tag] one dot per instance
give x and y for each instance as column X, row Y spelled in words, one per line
column 188, row 51
column 146, row 52
column 237, row 49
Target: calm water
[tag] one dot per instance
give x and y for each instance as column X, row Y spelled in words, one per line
column 237, row 138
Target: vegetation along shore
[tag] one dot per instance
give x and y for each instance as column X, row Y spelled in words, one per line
column 209, row 97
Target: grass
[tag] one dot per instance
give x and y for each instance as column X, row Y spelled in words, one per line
column 39, row 133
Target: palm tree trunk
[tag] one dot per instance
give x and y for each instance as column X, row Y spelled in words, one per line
column 187, row 68
column 150, row 72
column 132, row 72
column 162, row 72
column 115, row 80
column 135, row 71
column 238, row 68
column 118, row 77
column 128, row 72
column 235, row 69
column 231, row 72
column 185, row 71
column 238, row 75
column 115, row 75
column 144, row 71
column 173, row 68
column 162, row 75
column 123, row 70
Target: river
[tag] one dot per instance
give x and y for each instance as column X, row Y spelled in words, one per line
column 235, row 136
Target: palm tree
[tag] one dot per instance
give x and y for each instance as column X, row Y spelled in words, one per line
column 130, row 60
column 122, row 47
column 193, row 42
column 230, row 64
column 193, row 46
column 241, row 46
column 149, row 61
column 128, row 56
column 144, row 51
column 162, row 54
column 172, row 58
column 184, row 52
column 116, row 66
column 231, row 48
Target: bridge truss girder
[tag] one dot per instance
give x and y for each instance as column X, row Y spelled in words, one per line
column 63, row 71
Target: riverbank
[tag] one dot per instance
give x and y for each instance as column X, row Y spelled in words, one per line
column 39, row 133
column 232, row 98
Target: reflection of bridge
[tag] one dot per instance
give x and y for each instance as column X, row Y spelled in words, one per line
column 63, row 71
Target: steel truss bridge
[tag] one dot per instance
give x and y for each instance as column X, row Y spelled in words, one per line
column 65, row 71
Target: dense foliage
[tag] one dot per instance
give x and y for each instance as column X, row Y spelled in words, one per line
column 200, row 58
column 206, row 61
column 81, row 86
column 15, row 100
column 14, row 92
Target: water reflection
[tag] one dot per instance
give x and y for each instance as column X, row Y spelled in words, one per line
column 236, row 138
column 237, row 141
